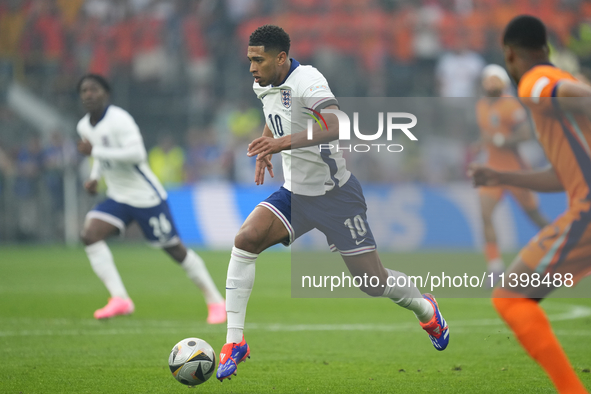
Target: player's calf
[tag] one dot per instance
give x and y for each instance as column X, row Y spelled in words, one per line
column 372, row 291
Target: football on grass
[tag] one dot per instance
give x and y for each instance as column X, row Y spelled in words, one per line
column 192, row 361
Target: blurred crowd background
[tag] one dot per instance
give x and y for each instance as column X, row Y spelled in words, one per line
column 180, row 68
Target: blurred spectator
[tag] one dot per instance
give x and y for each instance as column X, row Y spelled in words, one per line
column 28, row 168
column 150, row 60
column 122, row 36
column 200, row 67
column 13, row 17
column 70, row 9
column 426, row 35
column 98, row 9
column 458, row 72
column 48, row 33
column 167, row 161
column 46, row 42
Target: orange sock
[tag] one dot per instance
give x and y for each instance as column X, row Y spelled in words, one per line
column 532, row 328
column 491, row 251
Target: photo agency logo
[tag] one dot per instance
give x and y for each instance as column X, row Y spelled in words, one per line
column 392, row 124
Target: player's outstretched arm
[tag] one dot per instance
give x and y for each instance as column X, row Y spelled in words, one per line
column 264, row 145
column 544, row 180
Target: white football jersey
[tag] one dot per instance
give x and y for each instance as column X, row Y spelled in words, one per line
column 118, row 147
column 307, row 171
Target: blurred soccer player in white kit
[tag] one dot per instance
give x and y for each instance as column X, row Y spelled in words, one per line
column 112, row 138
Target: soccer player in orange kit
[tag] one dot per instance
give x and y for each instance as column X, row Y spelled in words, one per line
column 561, row 107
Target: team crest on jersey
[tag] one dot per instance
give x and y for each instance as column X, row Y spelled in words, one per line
column 286, row 98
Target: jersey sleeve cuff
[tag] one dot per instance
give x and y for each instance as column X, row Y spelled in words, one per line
column 325, row 102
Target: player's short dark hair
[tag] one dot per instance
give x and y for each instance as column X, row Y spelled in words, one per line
column 526, row 31
column 98, row 79
column 271, row 37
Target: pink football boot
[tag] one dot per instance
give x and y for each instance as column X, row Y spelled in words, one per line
column 116, row 307
column 216, row 313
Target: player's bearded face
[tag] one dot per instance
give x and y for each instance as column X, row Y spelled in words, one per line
column 264, row 66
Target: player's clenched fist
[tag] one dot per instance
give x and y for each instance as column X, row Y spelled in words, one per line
column 483, row 176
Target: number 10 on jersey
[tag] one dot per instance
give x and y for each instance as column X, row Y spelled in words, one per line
column 277, row 125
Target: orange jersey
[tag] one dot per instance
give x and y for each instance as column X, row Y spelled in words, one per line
column 501, row 115
column 565, row 137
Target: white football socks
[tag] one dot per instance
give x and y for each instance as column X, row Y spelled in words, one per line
column 407, row 295
column 104, row 267
column 239, row 285
column 197, row 271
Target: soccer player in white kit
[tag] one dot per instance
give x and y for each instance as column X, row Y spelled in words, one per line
column 110, row 135
column 319, row 192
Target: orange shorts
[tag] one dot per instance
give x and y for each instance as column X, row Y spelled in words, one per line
column 524, row 197
column 563, row 246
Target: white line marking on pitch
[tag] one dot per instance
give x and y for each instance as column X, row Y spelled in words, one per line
column 134, row 327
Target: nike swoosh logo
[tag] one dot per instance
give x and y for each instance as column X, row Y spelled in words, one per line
column 359, row 242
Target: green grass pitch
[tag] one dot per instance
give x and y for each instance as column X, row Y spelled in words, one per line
column 49, row 342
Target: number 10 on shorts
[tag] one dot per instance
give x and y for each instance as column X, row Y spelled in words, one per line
column 357, row 227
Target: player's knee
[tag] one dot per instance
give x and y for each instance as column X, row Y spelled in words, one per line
column 177, row 252
column 89, row 237
column 248, row 239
